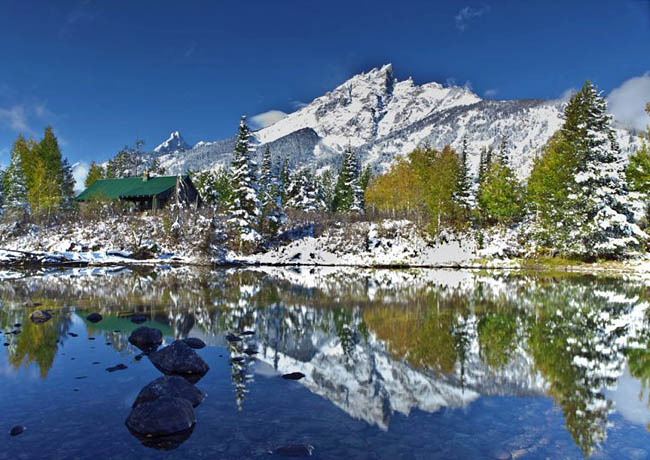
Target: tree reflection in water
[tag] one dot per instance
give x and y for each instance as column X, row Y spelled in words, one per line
column 377, row 342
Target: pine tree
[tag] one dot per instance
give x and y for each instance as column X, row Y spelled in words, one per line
column 599, row 199
column 244, row 204
column 67, row 185
column 285, row 179
column 303, row 192
column 464, row 188
column 272, row 215
column 484, row 164
column 326, row 189
column 14, row 180
column 501, row 196
column 348, row 195
column 95, row 172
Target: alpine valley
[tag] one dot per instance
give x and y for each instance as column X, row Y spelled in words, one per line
column 381, row 118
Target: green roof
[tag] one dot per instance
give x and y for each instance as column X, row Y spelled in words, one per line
column 128, row 187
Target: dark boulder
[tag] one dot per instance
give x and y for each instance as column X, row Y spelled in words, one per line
column 146, row 339
column 179, row 359
column 294, row 450
column 233, row 338
column 164, row 416
column 172, row 386
column 119, row 367
column 293, row 376
column 18, row 429
column 94, row 317
column 195, row 343
column 40, row 316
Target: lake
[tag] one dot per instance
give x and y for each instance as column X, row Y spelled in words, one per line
column 398, row 364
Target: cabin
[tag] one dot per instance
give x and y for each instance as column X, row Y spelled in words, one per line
column 146, row 192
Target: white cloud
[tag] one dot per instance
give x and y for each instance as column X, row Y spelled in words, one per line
column 627, row 102
column 566, row 94
column 80, row 172
column 15, row 118
column 467, row 14
column 262, row 120
column 297, row 105
column 490, row 92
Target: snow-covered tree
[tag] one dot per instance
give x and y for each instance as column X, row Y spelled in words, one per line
column 272, row 215
column 14, row 180
column 303, row 193
column 599, row 198
column 244, row 204
column 284, row 180
column 463, row 193
column 348, row 195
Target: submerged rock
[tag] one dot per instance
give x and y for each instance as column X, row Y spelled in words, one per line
column 94, row 317
column 138, row 319
column 293, row 376
column 251, row 351
column 294, row 450
column 195, row 343
column 179, row 359
column 171, row 386
column 146, row 339
column 18, row 429
column 72, row 334
column 248, row 333
column 40, row 316
column 233, row 338
column 119, row 367
column 162, row 417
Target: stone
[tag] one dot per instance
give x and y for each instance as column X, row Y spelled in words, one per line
column 195, row 343
column 138, row 319
column 18, row 429
column 162, row 417
column 172, row 386
column 233, row 338
column 248, row 333
column 94, row 317
column 293, row 376
column 119, row 367
column 72, row 334
column 40, row 316
column 179, row 359
column 146, row 339
column 294, row 450
column 251, row 351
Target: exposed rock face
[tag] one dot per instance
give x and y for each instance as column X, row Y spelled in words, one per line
column 40, row 316
column 164, row 416
column 179, row 359
column 171, row 386
column 146, row 339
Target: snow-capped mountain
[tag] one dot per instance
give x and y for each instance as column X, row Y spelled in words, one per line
column 174, row 144
column 382, row 117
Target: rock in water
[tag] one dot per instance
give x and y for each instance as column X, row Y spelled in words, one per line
column 72, row 334
column 172, row 386
column 18, row 429
column 179, row 359
column 162, row 417
column 94, row 317
column 119, row 367
column 40, row 316
column 295, row 450
column 146, row 339
column 293, row 376
column 233, row 338
column 195, row 343
column 138, row 319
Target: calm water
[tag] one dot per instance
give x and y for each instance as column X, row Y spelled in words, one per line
column 399, row 364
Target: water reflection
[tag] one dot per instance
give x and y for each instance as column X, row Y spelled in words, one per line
column 378, row 343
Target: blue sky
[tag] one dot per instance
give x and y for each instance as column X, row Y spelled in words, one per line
column 105, row 73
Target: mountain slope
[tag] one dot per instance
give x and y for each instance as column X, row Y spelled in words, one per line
column 382, row 117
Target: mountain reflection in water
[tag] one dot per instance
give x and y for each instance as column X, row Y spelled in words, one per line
column 373, row 343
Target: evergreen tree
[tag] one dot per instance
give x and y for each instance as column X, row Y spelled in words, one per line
column 501, row 196
column 464, row 187
column 484, row 164
column 326, row 189
column 285, row 179
column 348, row 195
column 272, row 215
column 303, row 192
column 95, row 172
column 599, row 198
column 637, row 172
column 14, row 180
column 67, row 185
column 244, row 204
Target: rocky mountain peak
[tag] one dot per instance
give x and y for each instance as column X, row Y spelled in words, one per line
column 175, row 143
